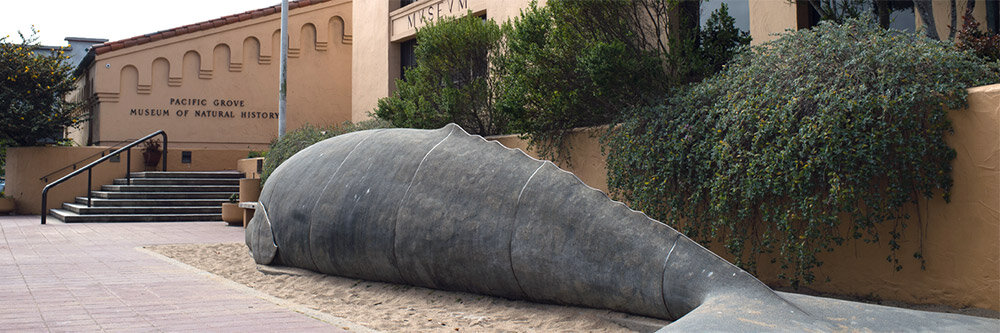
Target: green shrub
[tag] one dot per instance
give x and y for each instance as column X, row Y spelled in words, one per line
column 558, row 78
column 577, row 64
column 452, row 81
column 840, row 121
column 294, row 141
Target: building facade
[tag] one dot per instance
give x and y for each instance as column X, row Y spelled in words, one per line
column 214, row 84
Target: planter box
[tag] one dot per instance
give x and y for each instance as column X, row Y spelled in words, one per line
column 232, row 213
column 7, row 205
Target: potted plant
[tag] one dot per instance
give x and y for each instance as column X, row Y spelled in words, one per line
column 231, row 211
column 6, row 204
column 151, row 153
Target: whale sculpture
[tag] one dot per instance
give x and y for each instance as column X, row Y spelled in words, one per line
column 447, row 210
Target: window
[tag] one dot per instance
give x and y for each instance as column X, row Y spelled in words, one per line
column 407, row 59
column 993, row 16
column 890, row 14
column 738, row 9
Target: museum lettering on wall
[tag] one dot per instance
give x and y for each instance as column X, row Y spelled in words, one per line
column 203, row 108
column 434, row 11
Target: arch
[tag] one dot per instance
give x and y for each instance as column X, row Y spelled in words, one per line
column 220, row 57
column 276, row 45
column 251, row 50
column 192, row 65
column 129, row 83
column 307, row 37
column 160, row 75
column 337, row 31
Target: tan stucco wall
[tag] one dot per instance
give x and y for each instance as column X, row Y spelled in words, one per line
column 380, row 24
column 768, row 17
column 960, row 240
column 235, row 62
column 26, row 165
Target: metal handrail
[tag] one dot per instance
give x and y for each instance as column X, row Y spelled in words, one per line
column 73, row 165
column 128, row 168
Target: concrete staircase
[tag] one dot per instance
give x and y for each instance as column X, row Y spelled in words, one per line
column 156, row 196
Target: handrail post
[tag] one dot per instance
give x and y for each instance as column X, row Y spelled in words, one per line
column 128, row 167
column 88, row 185
column 45, row 212
column 164, row 157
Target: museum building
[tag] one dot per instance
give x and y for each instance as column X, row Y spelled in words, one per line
column 214, row 84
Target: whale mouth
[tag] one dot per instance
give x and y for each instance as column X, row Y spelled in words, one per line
column 260, row 238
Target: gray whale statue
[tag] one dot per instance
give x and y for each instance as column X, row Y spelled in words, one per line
column 447, row 210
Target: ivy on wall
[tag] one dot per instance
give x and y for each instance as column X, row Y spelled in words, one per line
column 843, row 122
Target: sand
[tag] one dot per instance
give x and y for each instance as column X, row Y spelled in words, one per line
column 392, row 307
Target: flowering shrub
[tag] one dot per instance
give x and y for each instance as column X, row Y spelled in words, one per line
column 32, row 104
column 838, row 123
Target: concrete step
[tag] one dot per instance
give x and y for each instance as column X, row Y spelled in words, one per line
column 161, row 195
column 70, row 217
column 188, row 174
column 99, row 202
column 171, row 188
column 179, row 181
column 84, row 210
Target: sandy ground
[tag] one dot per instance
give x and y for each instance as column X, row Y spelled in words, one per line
column 392, row 307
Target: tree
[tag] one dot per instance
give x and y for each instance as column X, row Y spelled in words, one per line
column 559, row 77
column 454, row 79
column 32, row 97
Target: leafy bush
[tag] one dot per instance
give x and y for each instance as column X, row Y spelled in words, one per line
column 32, row 104
column 557, row 78
column 257, row 153
column 577, row 64
column 837, row 122
column 451, row 82
column 294, row 141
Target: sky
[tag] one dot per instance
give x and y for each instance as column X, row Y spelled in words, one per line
column 110, row 19
column 121, row 19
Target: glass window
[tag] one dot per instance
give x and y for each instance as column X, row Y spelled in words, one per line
column 407, row 59
column 738, row 9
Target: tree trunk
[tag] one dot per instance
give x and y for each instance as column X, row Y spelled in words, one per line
column 883, row 13
column 926, row 9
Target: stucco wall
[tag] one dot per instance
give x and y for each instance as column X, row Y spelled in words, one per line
column 770, row 16
column 26, row 165
column 237, row 65
column 959, row 240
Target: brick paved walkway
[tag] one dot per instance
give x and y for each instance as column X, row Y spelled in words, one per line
column 91, row 277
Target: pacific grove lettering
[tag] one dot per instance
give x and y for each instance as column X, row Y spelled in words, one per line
column 433, row 11
column 204, row 102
